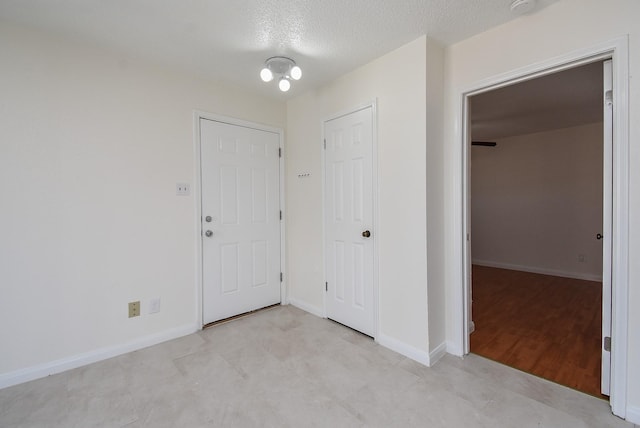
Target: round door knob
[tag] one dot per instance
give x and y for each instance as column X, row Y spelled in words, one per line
column 366, row 234
column 208, row 219
column 599, row 236
column 209, row 233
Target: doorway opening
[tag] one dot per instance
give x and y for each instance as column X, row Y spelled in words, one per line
column 617, row 51
column 537, row 200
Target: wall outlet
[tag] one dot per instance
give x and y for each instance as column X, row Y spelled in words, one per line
column 183, row 189
column 134, row 309
column 154, row 305
column 581, row 258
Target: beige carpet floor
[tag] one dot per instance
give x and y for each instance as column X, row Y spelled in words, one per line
column 283, row 367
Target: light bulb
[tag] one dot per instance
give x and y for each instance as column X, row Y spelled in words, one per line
column 296, row 73
column 284, row 85
column 266, row 75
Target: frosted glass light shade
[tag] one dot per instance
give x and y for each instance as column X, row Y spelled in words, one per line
column 282, row 70
column 266, row 75
column 296, row 73
column 284, row 85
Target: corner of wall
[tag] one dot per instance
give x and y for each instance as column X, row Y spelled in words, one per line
column 314, row 310
column 435, row 218
column 405, row 349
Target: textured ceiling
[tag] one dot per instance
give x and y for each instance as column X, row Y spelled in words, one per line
column 228, row 40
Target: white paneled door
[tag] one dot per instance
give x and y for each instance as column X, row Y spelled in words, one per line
column 349, row 234
column 240, row 219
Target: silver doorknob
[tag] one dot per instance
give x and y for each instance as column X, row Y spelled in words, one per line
column 208, row 233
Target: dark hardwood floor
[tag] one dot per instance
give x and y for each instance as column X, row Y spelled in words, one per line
column 545, row 325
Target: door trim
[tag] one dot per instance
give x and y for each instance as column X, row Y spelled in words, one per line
column 197, row 192
column 374, row 152
column 617, row 50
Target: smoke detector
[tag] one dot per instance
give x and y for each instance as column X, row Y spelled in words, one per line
column 522, row 7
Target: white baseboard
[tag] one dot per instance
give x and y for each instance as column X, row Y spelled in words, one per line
column 404, row 349
column 453, row 349
column 42, row 370
column 633, row 415
column 307, row 307
column 439, row 352
column 542, row 271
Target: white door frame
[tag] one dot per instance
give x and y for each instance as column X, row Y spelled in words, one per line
column 197, row 192
column 617, row 50
column 374, row 153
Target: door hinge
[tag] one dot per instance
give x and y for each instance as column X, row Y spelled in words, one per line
column 280, row 214
column 325, row 144
column 608, row 98
column 326, row 286
column 279, row 152
column 607, row 344
column 280, row 276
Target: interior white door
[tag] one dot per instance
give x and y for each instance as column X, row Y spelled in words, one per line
column 240, row 219
column 607, row 229
column 349, row 234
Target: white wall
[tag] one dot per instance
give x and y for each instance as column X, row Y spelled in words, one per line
column 536, row 202
column 401, row 234
column 435, row 199
column 91, row 147
column 559, row 29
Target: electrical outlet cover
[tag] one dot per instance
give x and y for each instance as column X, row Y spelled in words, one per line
column 134, row 309
column 183, row 189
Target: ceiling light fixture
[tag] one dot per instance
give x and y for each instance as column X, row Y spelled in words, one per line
column 283, row 67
